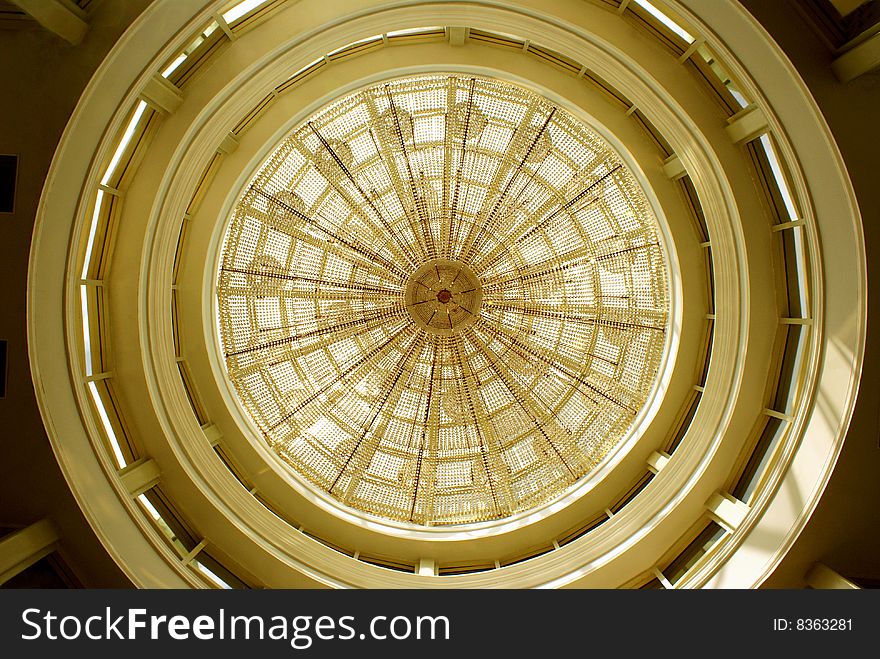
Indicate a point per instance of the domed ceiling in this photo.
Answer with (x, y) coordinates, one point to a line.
(443, 300)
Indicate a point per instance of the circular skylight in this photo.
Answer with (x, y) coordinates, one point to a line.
(443, 300)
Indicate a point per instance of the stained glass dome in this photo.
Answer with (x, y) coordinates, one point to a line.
(443, 300)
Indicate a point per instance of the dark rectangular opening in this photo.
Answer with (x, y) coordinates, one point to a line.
(389, 563)
(465, 568)
(2, 369)
(8, 174)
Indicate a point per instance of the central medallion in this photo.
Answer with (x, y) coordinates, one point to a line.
(443, 296)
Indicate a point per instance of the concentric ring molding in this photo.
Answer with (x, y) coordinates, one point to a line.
(569, 561)
(237, 153)
(627, 535)
(226, 185)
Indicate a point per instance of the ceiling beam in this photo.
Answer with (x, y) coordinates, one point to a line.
(858, 60)
(63, 18)
(21, 549)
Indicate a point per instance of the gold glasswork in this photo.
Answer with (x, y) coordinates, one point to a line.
(443, 300)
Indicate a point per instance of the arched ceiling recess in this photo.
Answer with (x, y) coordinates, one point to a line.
(269, 551)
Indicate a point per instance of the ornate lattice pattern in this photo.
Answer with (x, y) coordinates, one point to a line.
(501, 413)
